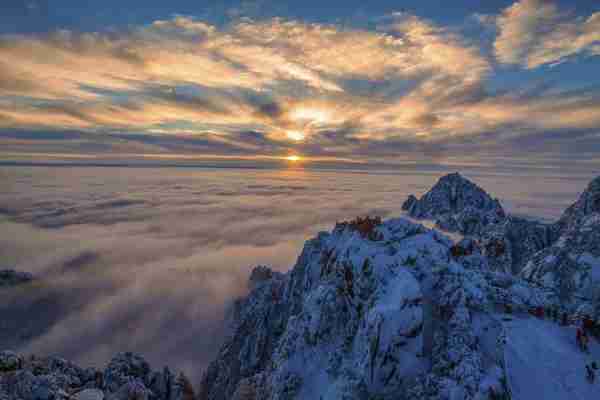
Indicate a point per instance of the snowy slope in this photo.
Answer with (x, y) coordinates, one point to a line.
(543, 361)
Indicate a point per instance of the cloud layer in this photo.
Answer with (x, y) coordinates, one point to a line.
(537, 32)
(408, 87)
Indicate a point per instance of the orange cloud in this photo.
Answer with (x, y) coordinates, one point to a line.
(268, 86)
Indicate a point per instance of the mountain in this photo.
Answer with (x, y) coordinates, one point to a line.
(457, 205)
(393, 311)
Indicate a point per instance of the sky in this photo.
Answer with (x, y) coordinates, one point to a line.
(477, 83)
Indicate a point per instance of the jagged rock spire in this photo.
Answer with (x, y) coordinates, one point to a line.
(457, 204)
(452, 193)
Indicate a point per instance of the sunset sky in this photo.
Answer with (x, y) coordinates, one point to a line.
(394, 81)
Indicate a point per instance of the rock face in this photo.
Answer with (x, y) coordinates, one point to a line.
(10, 277)
(510, 243)
(457, 205)
(386, 314)
(587, 204)
(127, 377)
(571, 265)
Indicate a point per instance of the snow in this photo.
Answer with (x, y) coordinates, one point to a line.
(543, 361)
(594, 263)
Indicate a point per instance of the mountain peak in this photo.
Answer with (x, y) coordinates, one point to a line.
(452, 198)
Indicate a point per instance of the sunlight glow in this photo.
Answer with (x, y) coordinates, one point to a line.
(313, 115)
(295, 135)
(293, 158)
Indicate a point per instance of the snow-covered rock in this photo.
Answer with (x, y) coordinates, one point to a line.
(571, 266)
(382, 314)
(127, 377)
(510, 243)
(588, 203)
(457, 205)
(89, 394)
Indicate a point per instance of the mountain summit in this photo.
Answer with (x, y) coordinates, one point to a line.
(457, 204)
(453, 193)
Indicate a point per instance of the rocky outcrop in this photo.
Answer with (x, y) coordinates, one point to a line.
(11, 277)
(127, 377)
(571, 266)
(587, 204)
(510, 244)
(457, 205)
(383, 314)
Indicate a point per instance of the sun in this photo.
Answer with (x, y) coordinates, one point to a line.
(293, 158)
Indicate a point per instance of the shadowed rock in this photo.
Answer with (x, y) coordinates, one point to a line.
(10, 277)
(127, 377)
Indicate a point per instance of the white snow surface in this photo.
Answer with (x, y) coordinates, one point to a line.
(543, 361)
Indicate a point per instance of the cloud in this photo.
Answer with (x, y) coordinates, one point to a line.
(152, 266)
(270, 87)
(532, 33)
